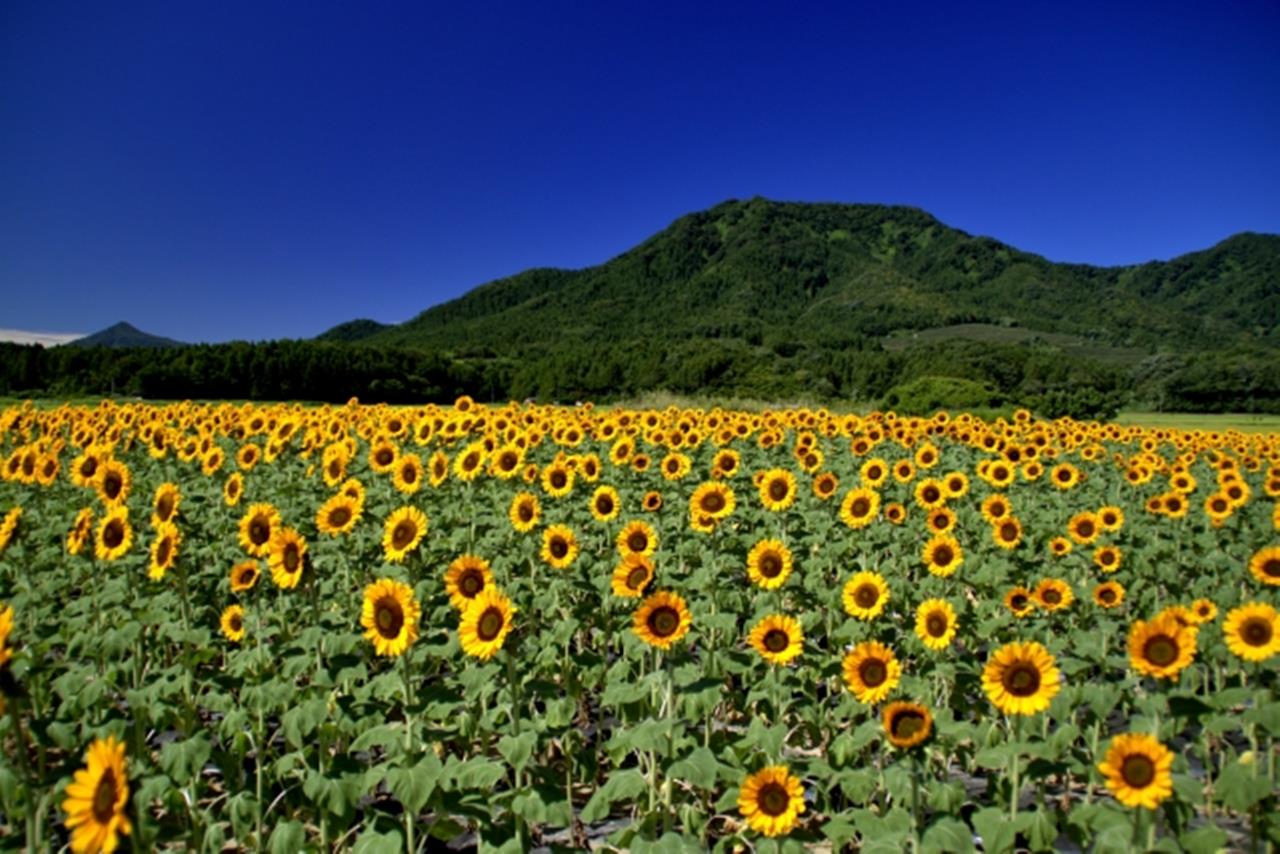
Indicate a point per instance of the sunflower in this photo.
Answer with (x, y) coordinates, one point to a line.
(115, 535)
(212, 461)
(771, 800)
(1137, 769)
(390, 616)
(769, 564)
(466, 578)
(652, 502)
(860, 507)
(895, 512)
(927, 456)
(559, 547)
(1162, 647)
(935, 623)
(114, 482)
(605, 504)
(164, 550)
(1108, 594)
(438, 467)
(557, 479)
(871, 671)
(1053, 594)
(1110, 518)
(929, 493)
(1265, 565)
(904, 471)
(825, 485)
(1204, 610)
(777, 638)
(713, 500)
(631, 576)
(1021, 678)
(382, 455)
(1007, 532)
(406, 475)
(777, 490)
(942, 556)
(96, 799)
(256, 528)
(906, 724)
(244, 576)
(956, 484)
(232, 623)
(507, 461)
(402, 532)
(80, 531)
(873, 472)
(338, 515)
(1060, 547)
(941, 520)
(1064, 476)
(164, 507)
(1084, 528)
(485, 624)
(1253, 631)
(662, 619)
(1218, 508)
(469, 463)
(232, 489)
(675, 466)
(287, 557)
(637, 538)
(248, 456)
(865, 595)
(85, 468)
(525, 511)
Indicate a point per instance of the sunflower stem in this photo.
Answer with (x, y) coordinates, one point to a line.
(1015, 787)
(20, 737)
(406, 676)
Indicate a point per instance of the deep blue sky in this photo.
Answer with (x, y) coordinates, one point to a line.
(253, 170)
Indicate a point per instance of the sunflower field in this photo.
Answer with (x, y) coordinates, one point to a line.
(288, 628)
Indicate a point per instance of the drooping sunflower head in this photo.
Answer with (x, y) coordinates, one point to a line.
(637, 538)
(871, 671)
(232, 623)
(390, 615)
(1137, 769)
(1021, 678)
(402, 532)
(942, 555)
(1265, 564)
(96, 798)
(287, 557)
(769, 564)
(244, 576)
(1054, 594)
(1108, 594)
(860, 507)
(662, 619)
(935, 623)
(466, 578)
(777, 638)
(559, 546)
(1252, 631)
(865, 595)
(771, 800)
(486, 623)
(606, 504)
(1162, 648)
(257, 526)
(906, 724)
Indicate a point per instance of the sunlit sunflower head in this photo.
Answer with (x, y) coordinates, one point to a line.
(942, 556)
(1205, 611)
(778, 638)
(1137, 769)
(256, 528)
(1060, 546)
(637, 538)
(930, 493)
(164, 506)
(232, 623)
(1007, 532)
(606, 504)
(825, 485)
(935, 623)
(871, 671)
(726, 463)
(84, 469)
(559, 546)
(244, 576)
(941, 520)
(1108, 594)
(1265, 564)
(895, 512)
(402, 532)
(1110, 518)
(1252, 631)
(390, 616)
(906, 724)
(1107, 558)
(466, 578)
(769, 564)
(338, 515)
(470, 462)
(777, 490)
(438, 468)
(406, 474)
(860, 507)
(233, 489)
(955, 484)
(287, 557)
(382, 455)
(1064, 476)
(486, 623)
(1162, 648)
(164, 550)
(1054, 594)
(97, 797)
(1021, 678)
(1084, 528)
(80, 531)
(652, 501)
(865, 595)
(675, 466)
(507, 461)
(714, 500)
(557, 479)
(114, 482)
(115, 534)
(995, 507)
(525, 512)
(212, 461)
(662, 619)
(873, 472)
(771, 801)
(631, 576)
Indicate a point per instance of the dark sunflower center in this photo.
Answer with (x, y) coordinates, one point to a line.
(1271, 568)
(1106, 558)
(773, 799)
(490, 624)
(471, 583)
(712, 502)
(770, 565)
(291, 557)
(874, 473)
(389, 617)
(163, 550)
(113, 534)
(1022, 679)
(524, 512)
(164, 508)
(1008, 532)
(860, 507)
(873, 672)
(339, 517)
(409, 474)
(997, 510)
(1138, 771)
(507, 461)
(931, 494)
(104, 797)
(1160, 650)
(778, 490)
(776, 640)
(558, 479)
(1085, 529)
(1107, 595)
(604, 505)
(111, 485)
(825, 486)
(403, 534)
(943, 555)
(866, 596)
(247, 576)
(558, 548)
(1256, 631)
(637, 578)
(1173, 505)
(1052, 596)
(384, 457)
(233, 488)
(236, 622)
(88, 467)
(663, 621)
(335, 468)
(259, 531)
(906, 724)
(936, 625)
(638, 541)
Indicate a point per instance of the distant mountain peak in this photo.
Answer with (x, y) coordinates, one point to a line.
(124, 334)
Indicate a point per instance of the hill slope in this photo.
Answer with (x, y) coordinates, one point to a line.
(124, 335)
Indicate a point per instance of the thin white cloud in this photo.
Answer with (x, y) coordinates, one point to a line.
(48, 339)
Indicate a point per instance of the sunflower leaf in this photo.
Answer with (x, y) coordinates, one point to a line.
(1204, 840)
(947, 836)
(621, 786)
(517, 749)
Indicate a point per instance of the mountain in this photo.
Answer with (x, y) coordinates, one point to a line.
(124, 335)
(782, 274)
(352, 330)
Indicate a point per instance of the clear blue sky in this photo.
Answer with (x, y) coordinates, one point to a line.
(258, 169)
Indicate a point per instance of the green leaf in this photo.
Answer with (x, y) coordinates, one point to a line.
(414, 786)
(289, 837)
(1042, 830)
(698, 768)
(1207, 839)
(477, 773)
(517, 749)
(1268, 716)
(300, 721)
(621, 786)
(839, 832)
(948, 836)
(1240, 787)
(373, 842)
(183, 760)
(325, 792)
(997, 832)
(383, 735)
